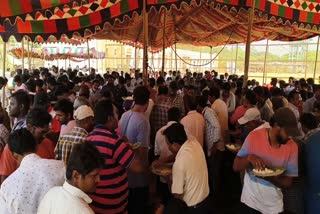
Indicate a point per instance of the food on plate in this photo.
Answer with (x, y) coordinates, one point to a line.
(163, 169)
(135, 146)
(268, 172)
(233, 147)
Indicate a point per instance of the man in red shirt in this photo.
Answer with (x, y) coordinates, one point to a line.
(111, 195)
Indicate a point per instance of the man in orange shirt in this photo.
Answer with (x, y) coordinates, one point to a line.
(38, 124)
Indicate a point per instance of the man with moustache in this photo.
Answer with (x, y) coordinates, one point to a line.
(268, 147)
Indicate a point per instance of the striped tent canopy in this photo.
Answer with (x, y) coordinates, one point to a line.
(197, 22)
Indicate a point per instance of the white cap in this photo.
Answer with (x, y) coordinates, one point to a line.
(250, 115)
(83, 112)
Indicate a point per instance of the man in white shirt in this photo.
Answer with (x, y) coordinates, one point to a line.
(194, 122)
(83, 175)
(161, 148)
(189, 172)
(228, 96)
(22, 191)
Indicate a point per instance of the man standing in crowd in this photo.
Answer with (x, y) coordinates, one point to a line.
(310, 126)
(212, 137)
(268, 148)
(162, 151)
(175, 99)
(82, 177)
(194, 122)
(249, 101)
(189, 173)
(64, 114)
(294, 99)
(84, 124)
(221, 110)
(135, 126)
(158, 116)
(23, 190)
(111, 195)
(264, 104)
(308, 104)
(38, 125)
(250, 121)
(18, 109)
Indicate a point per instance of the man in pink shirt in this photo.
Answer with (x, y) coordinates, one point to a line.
(249, 101)
(194, 122)
(267, 148)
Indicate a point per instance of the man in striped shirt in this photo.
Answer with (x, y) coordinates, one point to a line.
(111, 195)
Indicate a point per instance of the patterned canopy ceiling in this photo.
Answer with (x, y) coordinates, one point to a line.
(198, 22)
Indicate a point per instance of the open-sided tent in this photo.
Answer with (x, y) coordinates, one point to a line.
(197, 22)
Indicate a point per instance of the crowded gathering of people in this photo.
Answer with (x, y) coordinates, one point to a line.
(74, 142)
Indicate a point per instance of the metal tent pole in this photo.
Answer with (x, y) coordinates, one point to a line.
(22, 52)
(316, 61)
(88, 52)
(145, 42)
(235, 66)
(135, 57)
(248, 45)
(210, 58)
(4, 55)
(164, 42)
(265, 61)
(176, 58)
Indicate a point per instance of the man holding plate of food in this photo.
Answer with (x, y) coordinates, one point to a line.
(265, 151)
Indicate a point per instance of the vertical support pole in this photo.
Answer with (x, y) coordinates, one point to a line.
(264, 78)
(248, 45)
(88, 52)
(306, 61)
(164, 42)
(135, 57)
(28, 49)
(235, 66)
(4, 55)
(145, 42)
(316, 60)
(176, 59)
(200, 58)
(210, 58)
(22, 52)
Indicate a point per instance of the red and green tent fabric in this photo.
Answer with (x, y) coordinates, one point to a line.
(197, 22)
(13, 9)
